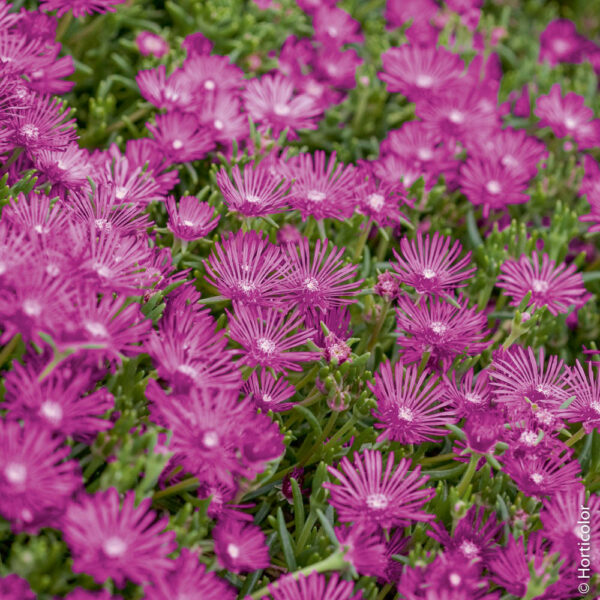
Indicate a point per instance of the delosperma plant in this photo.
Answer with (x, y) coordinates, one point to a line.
(299, 300)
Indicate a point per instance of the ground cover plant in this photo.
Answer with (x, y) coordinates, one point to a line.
(299, 300)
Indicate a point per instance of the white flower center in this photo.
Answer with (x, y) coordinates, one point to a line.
(52, 411)
(469, 549)
(438, 327)
(102, 270)
(32, 308)
(529, 438)
(114, 546)
(253, 199)
(15, 473)
(405, 414)
(425, 153)
(456, 116)
(376, 201)
(233, 550)
(281, 109)
(210, 439)
(187, 370)
(424, 81)
(96, 329)
(455, 579)
(493, 187)
(266, 346)
(103, 224)
(30, 131)
(595, 406)
(177, 144)
(188, 223)
(267, 398)
(377, 501)
(428, 273)
(61, 165)
(209, 84)
(316, 196)
(218, 124)
(570, 123)
(473, 398)
(120, 192)
(539, 286)
(537, 478)
(311, 284)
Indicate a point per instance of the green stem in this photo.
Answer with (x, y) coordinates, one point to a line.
(13, 157)
(384, 591)
(310, 227)
(191, 483)
(58, 358)
(308, 377)
(431, 460)
(575, 437)
(468, 475)
(362, 240)
(334, 562)
(328, 427)
(63, 25)
(9, 348)
(378, 326)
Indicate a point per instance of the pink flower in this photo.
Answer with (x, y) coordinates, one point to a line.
(363, 548)
(560, 42)
(192, 220)
(368, 495)
(320, 189)
(13, 587)
(467, 396)
(439, 328)
(314, 586)
(36, 482)
(255, 193)
(181, 137)
(585, 409)
(150, 43)
(173, 92)
(565, 115)
(398, 12)
(269, 392)
(319, 281)
(245, 268)
(271, 102)
(418, 72)
(380, 200)
(538, 474)
(189, 578)
(556, 287)
(240, 546)
(57, 402)
(492, 185)
(335, 67)
(412, 408)
(431, 266)
(80, 7)
(332, 24)
(590, 188)
(267, 336)
(108, 538)
(520, 380)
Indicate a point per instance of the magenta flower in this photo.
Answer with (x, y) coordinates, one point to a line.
(222, 114)
(188, 578)
(57, 402)
(318, 281)
(174, 92)
(334, 25)
(245, 268)
(151, 43)
(380, 201)
(192, 220)
(269, 392)
(270, 101)
(418, 72)
(323, 190)
(65, 168)
(473, 538)
(367, 496)
(519, 380)
(267, 336)
(538, 474)
(36, 482)
(255, 193)
(211, 74)
(181, 137)
(571, 523)
(363, 549)
(585, 409)
(312, 587)
(590, 188)
(80, 7)
(440, 329)
(565, 115)
(13, 587)
(42, 125)
(240, 546)
(431, 266)
(411, 408)
(469, 396)
(492, 185)
(110, 539)
(555, 286)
